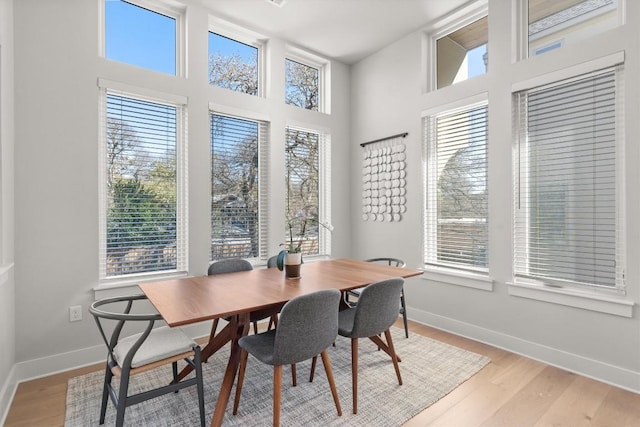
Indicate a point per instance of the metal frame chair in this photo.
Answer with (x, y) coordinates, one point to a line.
(150, 349)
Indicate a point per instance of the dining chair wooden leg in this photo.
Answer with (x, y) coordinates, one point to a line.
(277, 391)
(327, 368)
(243, 366)
(394, 356)
(354, 373)
(313, 368)
(294, 377)
(404, 314)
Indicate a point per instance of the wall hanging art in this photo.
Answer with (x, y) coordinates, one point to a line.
(384, 179)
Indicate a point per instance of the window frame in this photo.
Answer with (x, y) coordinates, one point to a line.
(324, 76)
(596, 298)
(521, 39)
(264, 148)
(460, 276)
(242, 35)
(162, 7)
(441, 29)
(182, 230)
(325, 227)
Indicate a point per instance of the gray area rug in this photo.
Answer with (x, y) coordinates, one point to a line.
(430, 370)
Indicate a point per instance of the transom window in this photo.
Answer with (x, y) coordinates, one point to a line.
(233, 65)
(553, 23)
(302, 85)
(456, 218)
(144, 35)
(462, 54)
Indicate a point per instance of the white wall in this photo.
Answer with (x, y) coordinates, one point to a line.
(7, 284)
(57, 104)
(387, 99)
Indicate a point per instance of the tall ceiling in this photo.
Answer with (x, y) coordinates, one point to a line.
(345, 30)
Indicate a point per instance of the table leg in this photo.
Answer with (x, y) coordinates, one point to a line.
(219, 340)
(240, 327)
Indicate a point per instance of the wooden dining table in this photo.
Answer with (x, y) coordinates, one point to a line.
(234, 296)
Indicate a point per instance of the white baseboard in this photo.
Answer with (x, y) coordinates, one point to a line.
(594, 369)
(7, 392)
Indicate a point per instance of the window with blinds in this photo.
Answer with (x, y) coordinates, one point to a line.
(567, 210)
(238, 203)
(143, 228)
(456, 217)
(307, 180)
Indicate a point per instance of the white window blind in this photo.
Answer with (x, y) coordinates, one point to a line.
(308, 191)
(568, 223)
(456, 217)
(239, 155)
(142, 191)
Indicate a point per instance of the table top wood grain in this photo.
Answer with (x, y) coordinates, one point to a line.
(194, 299)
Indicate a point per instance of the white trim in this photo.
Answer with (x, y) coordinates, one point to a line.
(617, 306)
(150, 94)
(569, 72)
(240, 113)
(465, 103)
(457, 277)
(7, 393)
(588, 367)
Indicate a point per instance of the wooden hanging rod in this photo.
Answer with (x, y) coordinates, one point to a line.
(400, 135)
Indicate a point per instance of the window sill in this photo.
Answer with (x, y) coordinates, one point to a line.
(459, 278)
(129, 286)
(618, 306)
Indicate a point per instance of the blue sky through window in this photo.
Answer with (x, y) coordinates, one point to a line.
(140, 37)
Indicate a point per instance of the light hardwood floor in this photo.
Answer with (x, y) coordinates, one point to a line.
(511, 391)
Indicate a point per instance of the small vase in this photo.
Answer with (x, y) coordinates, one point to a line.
(292, 262)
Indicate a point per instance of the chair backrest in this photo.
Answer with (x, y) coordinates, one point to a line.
(272, 262)
(377, 307)
(101, 314)
(229, 265)
(308, 324)
(396, 262)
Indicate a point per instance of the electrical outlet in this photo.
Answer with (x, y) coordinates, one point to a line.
(75, 313)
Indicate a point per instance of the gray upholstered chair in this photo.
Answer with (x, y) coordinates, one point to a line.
(308, 326)
(150, 349)
(233, 265)
(376, 311)
(403, 306)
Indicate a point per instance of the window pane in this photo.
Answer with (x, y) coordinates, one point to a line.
(141, 186)
(457, 225)
(140, 37)
(462, 54)
(301, 83)
(303, 200)
(233, 65)
(553, 23)
(566, 206)
(234, 188)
